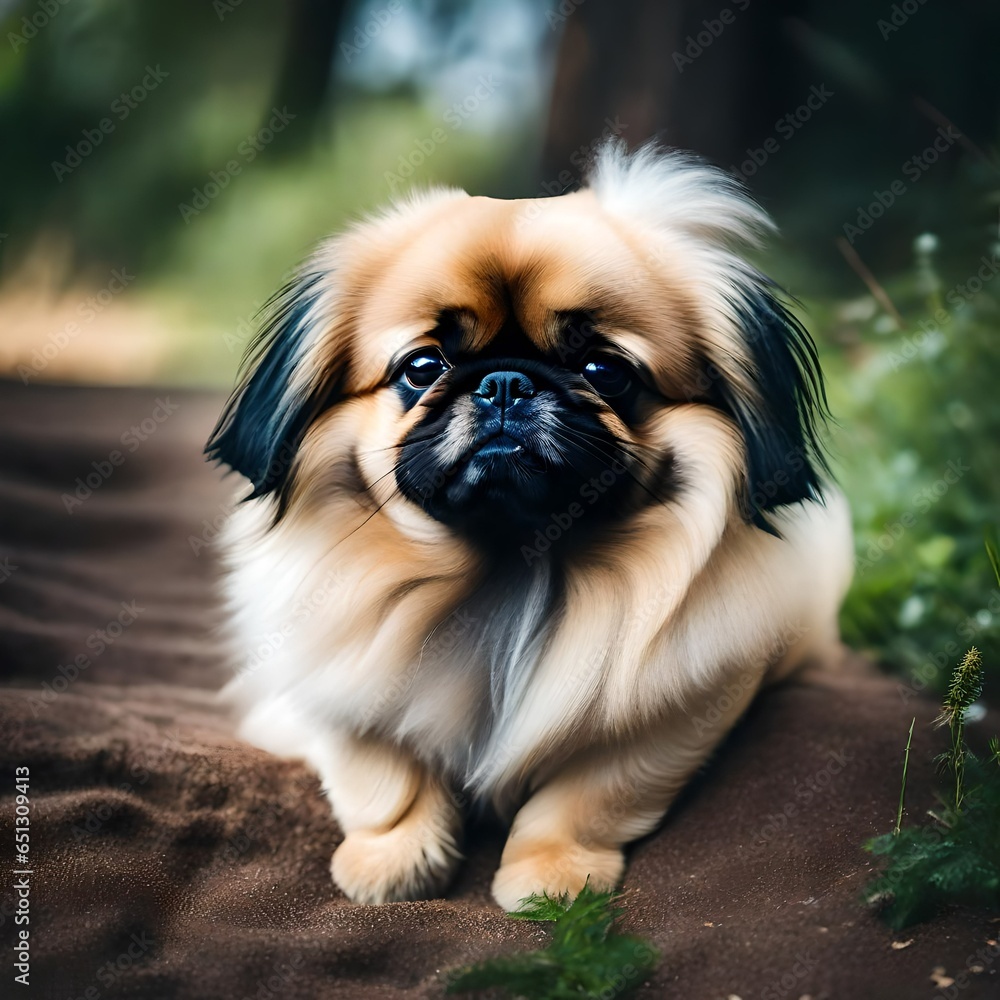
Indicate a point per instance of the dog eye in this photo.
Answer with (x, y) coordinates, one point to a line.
(424, 367)
(608, 376)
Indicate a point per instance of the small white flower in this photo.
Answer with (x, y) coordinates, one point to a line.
(925, 243)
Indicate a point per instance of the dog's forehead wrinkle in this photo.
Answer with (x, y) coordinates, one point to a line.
(596, 319)
(509, 340)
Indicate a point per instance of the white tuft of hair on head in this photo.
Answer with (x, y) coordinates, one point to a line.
(670, 190)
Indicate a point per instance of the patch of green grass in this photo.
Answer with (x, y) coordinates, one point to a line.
(586, 956)
(956, 858)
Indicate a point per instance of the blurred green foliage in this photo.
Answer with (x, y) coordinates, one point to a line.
(917, 450)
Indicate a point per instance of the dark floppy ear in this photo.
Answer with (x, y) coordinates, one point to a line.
(781, 409)
(278, 395)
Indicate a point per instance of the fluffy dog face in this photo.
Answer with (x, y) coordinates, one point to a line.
(472, 367)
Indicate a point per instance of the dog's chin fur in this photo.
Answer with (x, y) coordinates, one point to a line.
(577, 660)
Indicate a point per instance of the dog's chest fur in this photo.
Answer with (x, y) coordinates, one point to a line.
(476, 665)
(348, 650)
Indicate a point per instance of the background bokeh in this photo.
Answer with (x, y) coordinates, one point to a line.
(164, 165)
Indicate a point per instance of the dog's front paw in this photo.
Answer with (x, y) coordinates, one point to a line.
(556, 869)
(408, 861)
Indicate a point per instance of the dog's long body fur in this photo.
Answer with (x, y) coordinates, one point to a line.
(578, 672)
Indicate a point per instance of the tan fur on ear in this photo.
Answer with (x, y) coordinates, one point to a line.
(364, 629)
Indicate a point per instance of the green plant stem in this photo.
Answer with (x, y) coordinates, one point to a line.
(902, 787)
(994, 557)
(958, 756)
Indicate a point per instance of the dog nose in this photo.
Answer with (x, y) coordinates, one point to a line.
(505, 389)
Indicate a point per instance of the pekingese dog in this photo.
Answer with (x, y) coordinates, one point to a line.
(538, 505)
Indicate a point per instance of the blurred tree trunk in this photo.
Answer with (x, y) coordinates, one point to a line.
(644, 66)
(305, 80)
